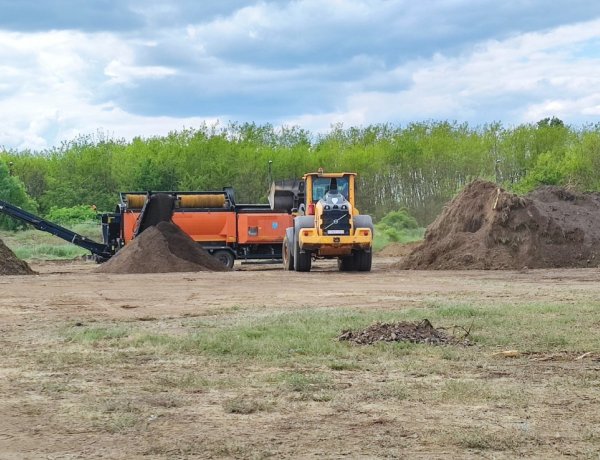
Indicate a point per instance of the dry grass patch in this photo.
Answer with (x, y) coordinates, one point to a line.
(284, 372)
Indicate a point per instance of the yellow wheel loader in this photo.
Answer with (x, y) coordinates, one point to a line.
(326, 222)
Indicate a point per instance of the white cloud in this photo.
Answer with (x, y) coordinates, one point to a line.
(297, 26)
(126, 73)
(314, 63)
(537, 72)
(49, 85)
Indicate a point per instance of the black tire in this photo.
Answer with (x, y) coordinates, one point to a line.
(364, 221)
(287, 255)
(225, 257)
(302, 260)
(346, 264)
(363, 260)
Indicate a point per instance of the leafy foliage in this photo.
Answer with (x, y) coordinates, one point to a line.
(417, 167)
(13, 191)
(397, 227)
(399, 220)
(75, 214)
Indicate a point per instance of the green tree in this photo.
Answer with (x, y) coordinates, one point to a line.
(13, 191)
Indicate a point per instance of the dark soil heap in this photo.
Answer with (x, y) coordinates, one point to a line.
(11, 264)
(164, 248)
(422, 332)
(485, 227)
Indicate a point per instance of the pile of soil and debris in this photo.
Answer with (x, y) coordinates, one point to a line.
(163, 248)
(403, 331)
(11, 264)
(485, 227)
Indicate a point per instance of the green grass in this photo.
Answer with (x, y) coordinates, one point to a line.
(498, 440)
(95, 334)
(309, 336)
(49, 252)
(34, 244)
(382, 239)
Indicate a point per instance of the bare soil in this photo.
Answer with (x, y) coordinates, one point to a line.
(398, 249)
(11, 264)
(163, 248)
(59, 399)
(485, 227)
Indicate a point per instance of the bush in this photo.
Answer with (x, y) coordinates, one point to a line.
(73, 215)
(13, 191)
(399, 220)
(397, 227)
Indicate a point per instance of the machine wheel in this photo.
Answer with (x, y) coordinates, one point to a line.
(286, 253)
(302, 260)
(363, 260)
(363, 221)
(225, 257)
(346, 264)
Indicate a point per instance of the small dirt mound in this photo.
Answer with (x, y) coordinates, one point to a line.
(164, 248)
(485, 227)
(11, 264)
(421, 332)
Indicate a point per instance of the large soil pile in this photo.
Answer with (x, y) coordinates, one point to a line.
(485, 227)
(164, 248)
(11, 264)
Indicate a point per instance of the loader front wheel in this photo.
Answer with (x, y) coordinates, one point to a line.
(286, 253)
(302, 260)
(363, 260)
(346, 264)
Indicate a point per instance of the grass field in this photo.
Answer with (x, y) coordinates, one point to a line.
(32, 244)
(266, 382)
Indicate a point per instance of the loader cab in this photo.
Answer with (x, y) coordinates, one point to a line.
(319, 183)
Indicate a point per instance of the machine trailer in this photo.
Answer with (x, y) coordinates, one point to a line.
(226, 229)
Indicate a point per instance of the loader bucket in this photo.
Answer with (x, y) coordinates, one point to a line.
(286, 195)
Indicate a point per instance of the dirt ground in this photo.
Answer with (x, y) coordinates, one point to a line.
(49, 393)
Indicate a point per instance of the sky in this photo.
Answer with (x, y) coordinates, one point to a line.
(127, 68)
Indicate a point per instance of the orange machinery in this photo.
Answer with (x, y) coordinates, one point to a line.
(224, 228)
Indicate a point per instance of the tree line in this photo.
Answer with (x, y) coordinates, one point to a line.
(419, 166)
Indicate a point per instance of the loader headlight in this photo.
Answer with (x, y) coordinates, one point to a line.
(327, 207)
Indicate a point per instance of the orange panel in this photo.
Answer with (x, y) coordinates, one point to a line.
(129, 220)
(263, 227)
(207, 226)
(201, 226)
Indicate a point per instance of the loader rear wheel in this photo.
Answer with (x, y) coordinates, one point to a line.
(302, 260)
(363, 260)
(288, 257)
(225, 257)
(346, 264)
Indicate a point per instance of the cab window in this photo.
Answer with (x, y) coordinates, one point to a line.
(321, 186)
